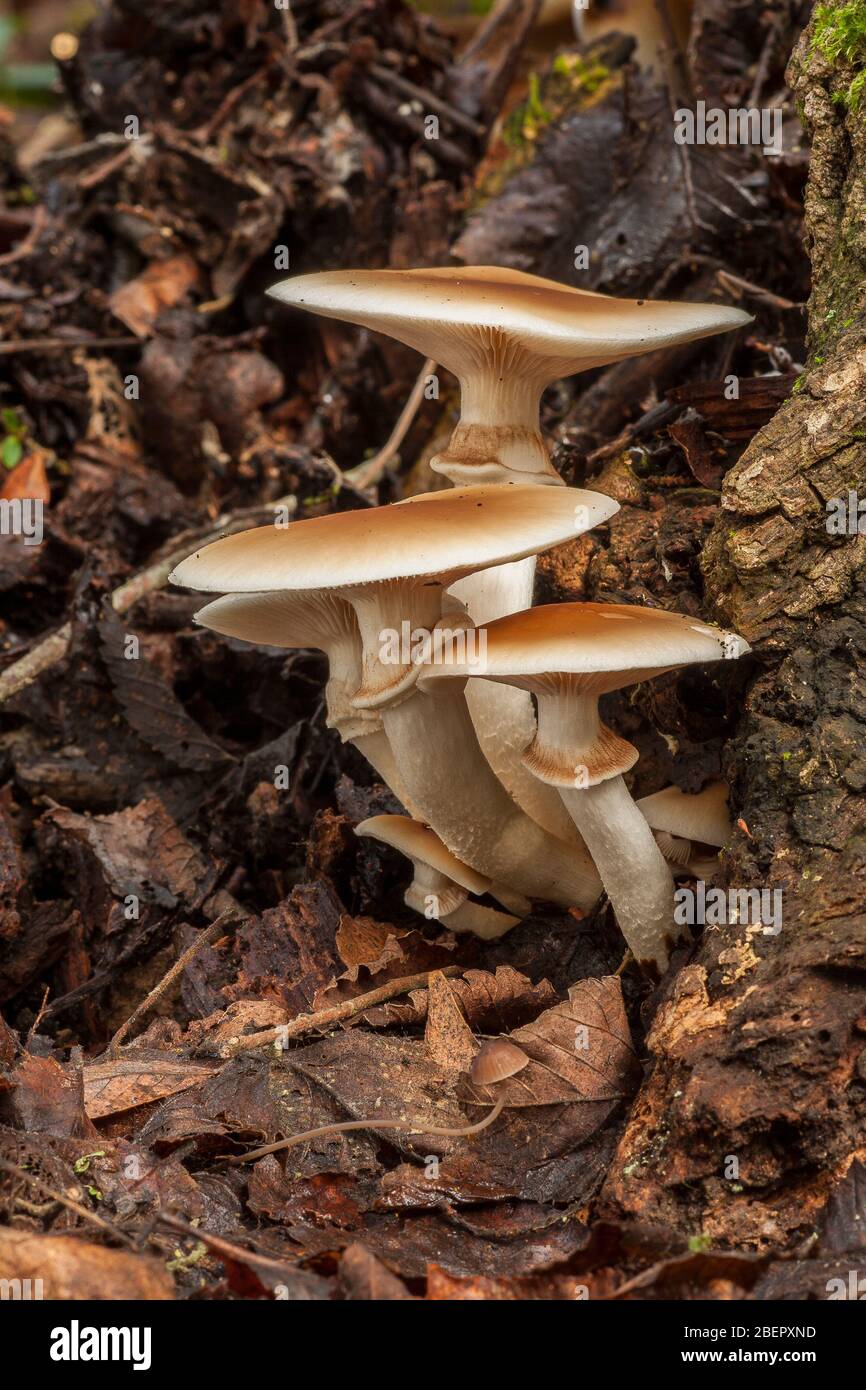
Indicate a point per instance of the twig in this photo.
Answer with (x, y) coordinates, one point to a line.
(778, 301)
(63, 344)
(27, 242)
(54, 647)
(433, 103)
(14, 1171)
(338, 1013)
(370, 472)
(204, 938)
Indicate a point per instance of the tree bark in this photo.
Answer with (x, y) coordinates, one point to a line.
(756, 1098)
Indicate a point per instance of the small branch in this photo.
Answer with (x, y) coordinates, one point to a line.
(350, 1008)
(433, 103)
(20, 345)
(204, 938)
(371, 471)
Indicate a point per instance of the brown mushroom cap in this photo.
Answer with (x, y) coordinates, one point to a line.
(605, 645)
(437, 534)
(496, 1060)
(452, 313)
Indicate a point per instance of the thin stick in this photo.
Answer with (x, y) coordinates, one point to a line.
(338, 1013)
(14, 1171)
(370, 472)
(434, 103)
(204, 938)
(63, 344)
(55, 646)
(346, 1125)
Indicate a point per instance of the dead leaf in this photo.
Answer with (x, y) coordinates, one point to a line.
(160, 286)
(363, 1276)
(124, 1084)
(361, 940)
(579, 1050)
(447, 1034)
(29, 479)
(69, 1268)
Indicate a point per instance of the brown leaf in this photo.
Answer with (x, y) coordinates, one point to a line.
(69, 1268)
(29, 479)
(447, 1034)
(578, 1050)
(363, 1276)
(49, 1098)
(151, 706)
(124, 1084)
(139, 850)
(361, 940)
(160, 285)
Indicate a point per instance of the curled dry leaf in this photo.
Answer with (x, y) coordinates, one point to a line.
(29, 479)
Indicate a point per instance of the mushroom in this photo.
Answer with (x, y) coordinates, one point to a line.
(326, 622)
(496, 1060)
(568, 655)
(441, 885)
(506, 335)
(392, 564)
(689, 827)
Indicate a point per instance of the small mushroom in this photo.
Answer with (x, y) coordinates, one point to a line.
(689, 827)
(496, 1060)
(392, 564)
(568, 655)
(441, 885)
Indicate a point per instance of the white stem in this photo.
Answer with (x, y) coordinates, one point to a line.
(479, 921)
(456, 792)
(632, 867)
(497, 439)
(504, 716)
(374, 746)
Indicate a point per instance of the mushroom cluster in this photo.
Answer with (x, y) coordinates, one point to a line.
(423, 608)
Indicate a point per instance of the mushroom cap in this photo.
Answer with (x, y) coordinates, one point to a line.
(496, 1060)
(419, 843)
(450, 312)
(701, 816)
(436, 534)
(282, 619)
(609, 644)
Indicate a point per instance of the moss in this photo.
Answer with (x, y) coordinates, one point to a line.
(840, 32)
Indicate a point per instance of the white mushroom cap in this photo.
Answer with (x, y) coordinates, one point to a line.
(460, 314)
(422, 845)
(701, 816)
(281, 619)
(302, 619)
(607, 645)
(441, 535)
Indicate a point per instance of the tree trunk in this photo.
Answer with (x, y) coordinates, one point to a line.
(756, 1097)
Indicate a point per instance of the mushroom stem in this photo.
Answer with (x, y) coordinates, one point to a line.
(632, 867)
(455, 790)
(503, 716)
(344, 1126)
(497, 439)
(481, 921)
